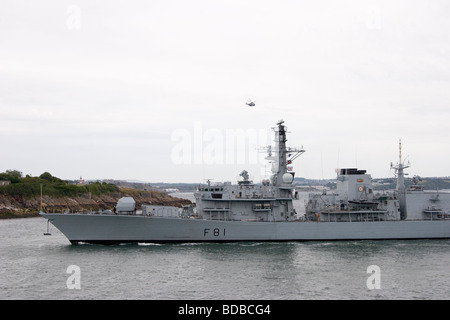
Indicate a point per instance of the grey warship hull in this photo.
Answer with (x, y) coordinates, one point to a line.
(113, 229)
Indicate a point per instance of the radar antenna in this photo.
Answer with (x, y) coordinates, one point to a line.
(244, 174)
(401, 164)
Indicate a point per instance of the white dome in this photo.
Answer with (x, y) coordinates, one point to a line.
(288, 178)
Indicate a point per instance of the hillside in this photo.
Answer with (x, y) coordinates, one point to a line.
(21, 196)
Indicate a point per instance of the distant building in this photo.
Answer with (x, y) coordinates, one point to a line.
(4, 182)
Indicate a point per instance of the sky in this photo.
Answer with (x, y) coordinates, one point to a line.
(156, 91)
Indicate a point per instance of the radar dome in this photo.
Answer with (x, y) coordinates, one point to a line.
(288, 178)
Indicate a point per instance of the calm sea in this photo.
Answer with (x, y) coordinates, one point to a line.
(35, 266)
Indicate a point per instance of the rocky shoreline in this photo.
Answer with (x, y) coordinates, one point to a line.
(20, 207)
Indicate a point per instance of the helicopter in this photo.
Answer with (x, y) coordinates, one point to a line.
(250, 103)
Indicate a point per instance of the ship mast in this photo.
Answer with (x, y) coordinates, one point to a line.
(401, 189)
(280, 163)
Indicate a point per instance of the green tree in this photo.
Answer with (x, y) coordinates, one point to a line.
(11, 175)
(46, 176)
(14, 173)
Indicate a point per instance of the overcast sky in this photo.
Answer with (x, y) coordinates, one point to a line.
(156, 90)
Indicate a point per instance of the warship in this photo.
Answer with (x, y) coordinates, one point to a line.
(248, 211)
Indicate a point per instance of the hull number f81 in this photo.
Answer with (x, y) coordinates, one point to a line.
(216, 232)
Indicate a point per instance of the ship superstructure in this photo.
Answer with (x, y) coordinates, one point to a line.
(270, 200)
(415, 202)
(353, 200)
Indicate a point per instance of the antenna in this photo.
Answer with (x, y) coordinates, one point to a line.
(398, 168)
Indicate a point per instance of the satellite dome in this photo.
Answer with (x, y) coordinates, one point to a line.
(288, 178)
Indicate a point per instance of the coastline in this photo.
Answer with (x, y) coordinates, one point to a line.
(12, 207)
